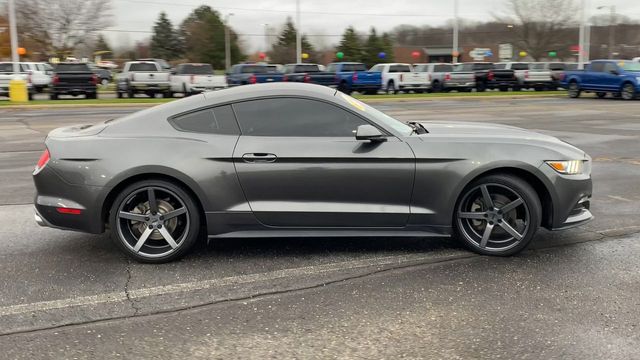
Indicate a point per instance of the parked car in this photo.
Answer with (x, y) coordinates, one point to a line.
(145, 77)
(6, 74)
(40, 75)
(308, 73)
(244, 74)
(488, 77)
(528, 77)
(556, 69)
(618, 77)
(443, 78)
(219, 164)
(104, 75)
(194, 78)
(353, 76)
(73, 78)
(162, 62)
(396, 77)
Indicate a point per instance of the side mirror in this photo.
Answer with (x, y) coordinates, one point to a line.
(614, 72)
(370, 133)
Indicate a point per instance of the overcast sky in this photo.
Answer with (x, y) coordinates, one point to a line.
(323, 21)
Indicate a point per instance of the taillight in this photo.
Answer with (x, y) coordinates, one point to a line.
(355, 76)
(253, 79)
(561, 76)
(490, 75)
(307, 78)
(285, 78)
(55, 80)
(42, 162)
(401, 77)
(447, 76)
(526, 74)
(94, 79)
(193, 79)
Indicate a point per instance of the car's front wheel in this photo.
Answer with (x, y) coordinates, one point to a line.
(574, 90)
(628, 91)
(497, 215)
(154, 221)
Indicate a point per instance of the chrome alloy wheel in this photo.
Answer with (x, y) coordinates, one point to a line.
(493, 217)
(153, 222)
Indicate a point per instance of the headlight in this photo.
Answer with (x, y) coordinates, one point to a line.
(568, 167)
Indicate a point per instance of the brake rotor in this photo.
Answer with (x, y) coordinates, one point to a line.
(164, 207)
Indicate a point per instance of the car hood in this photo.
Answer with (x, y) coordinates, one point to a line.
(498, 133)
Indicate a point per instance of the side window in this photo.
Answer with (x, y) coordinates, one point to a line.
(500, 66)
(597, 67)
(610, 66)
(219, 120)
(331, 68)
(295, 117)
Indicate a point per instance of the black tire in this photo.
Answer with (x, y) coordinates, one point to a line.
(628, 91)
(573, 90)
(92, 95)
(53, 96)
(391, 87)
(39, 89)
(601, 95)
(481, 86)
(119, 95)
(130, 92)
(523, 218)
(539, 88)
(371, 92)
(503, 88)
(170, 197)
(30, 96)
(436, 86)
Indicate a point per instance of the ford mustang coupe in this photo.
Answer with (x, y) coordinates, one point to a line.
(293, 159)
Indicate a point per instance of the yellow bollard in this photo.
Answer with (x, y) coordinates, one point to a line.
(18, 90)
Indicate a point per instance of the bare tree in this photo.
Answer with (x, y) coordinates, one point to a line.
(59, 27)
(539, 25)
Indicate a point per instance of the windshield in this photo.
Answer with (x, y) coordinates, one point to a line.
(629, 65)
(378, 115)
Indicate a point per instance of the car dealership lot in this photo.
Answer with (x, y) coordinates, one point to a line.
(572, 295)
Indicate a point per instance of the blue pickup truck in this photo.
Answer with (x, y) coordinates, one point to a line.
(243, 74)
(351, 76)
(618, 77)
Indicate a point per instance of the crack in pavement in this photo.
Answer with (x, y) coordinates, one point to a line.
(127, 293)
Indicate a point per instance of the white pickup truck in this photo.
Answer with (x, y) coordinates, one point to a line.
(401, 77)
(144, 77)
(194, 78)
(529, 77)
(6, 74)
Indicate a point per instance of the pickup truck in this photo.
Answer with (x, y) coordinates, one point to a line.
(73, 78)
(556, 69)
(401, 77)
(145, 77)
(618, 77)
(194, 78)
(443, 78)
(308, 73)
(244, 74)
(488, 77)
(6, 74)
(353, 76)
(528, 77)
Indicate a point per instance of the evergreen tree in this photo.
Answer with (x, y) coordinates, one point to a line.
(164, 41)
(372, 47)
(351, 46)
(102, 45)
(387, 47)
(284, 51)
(202, 34)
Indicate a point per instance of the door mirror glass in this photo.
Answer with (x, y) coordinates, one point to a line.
(614, 72)
(370, 133)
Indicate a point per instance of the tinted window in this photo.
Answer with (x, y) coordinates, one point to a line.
(403, 68)
(219, 120)
(421, 68)
(442, 68)
(72, 67)
(557, 66)
(599, 67)
(254, 69)
(539, 66)
(608, 67)
(520, 66)
(295, 117)
(483, 66)
(143, 67)
(353, 67)
(6, 67)
(196, 69)
(307, 68)
(501, 66)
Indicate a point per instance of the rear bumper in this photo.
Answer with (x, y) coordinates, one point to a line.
(426, 86)
(143, 87)
(457, 85)
(74, 89)
(501, 83)
(366, 87)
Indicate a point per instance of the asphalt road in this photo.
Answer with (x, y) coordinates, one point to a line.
(573, 295)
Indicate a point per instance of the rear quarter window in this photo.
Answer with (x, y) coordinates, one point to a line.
(218, 120)
(143, 67)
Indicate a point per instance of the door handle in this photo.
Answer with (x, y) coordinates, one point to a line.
(259, 157)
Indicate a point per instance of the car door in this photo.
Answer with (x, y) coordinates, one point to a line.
(299, 164)
(592, 78)
(611, 79)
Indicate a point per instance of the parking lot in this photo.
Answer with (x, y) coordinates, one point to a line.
(572, 295)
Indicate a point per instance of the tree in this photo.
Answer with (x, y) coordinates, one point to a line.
(202, 36)
(284, 51)
(387, 47)
(164, 41)
(539, 24)
(102, 45)
(351, 46)
(376, 45)
(59, 28)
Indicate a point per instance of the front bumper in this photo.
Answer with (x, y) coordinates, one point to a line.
(571, 199)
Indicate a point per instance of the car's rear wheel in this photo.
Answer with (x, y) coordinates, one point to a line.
(497, 215)
(574, 90)
(154, 221)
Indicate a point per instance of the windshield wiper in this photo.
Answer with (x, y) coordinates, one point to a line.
(417, 127)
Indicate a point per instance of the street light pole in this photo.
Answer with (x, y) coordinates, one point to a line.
(298, 34)
(227, 43)
(15, 58)
(455, 32)
(612, 29)
(581, 36)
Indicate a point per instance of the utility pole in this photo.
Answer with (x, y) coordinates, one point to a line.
(455, 51)
(581, 36)
(15, 58)
(298, 34)
(227, 43)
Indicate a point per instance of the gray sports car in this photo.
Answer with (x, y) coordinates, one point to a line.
(293, 159)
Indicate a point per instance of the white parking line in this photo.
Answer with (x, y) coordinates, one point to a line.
(232, 280)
